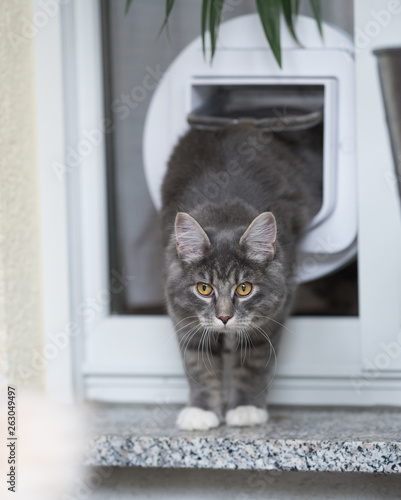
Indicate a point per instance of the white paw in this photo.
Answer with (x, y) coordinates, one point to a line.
(193, 418)
(243, 416)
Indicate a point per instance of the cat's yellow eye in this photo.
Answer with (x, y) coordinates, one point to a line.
(244, 289)
(204, 288)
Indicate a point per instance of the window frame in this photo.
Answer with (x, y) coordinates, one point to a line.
(75, 255)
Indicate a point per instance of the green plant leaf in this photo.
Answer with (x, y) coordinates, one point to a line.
(289, 16)
(216, 7)
(316, 6)
(296, 6)
(205, 7)
(127, 6)
(269, 12)
(169, 8)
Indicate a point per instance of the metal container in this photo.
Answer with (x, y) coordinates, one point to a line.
(389, 64)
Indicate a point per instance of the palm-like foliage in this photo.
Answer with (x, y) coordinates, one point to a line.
(269, 12)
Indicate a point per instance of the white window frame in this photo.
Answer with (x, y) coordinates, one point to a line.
(113, 358)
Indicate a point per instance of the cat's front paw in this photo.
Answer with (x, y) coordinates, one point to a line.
(196, 419)
(244, 416)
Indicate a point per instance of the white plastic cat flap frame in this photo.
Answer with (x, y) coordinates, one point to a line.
(195, 97)
(244, 61)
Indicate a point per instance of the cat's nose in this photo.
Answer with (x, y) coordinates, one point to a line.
(224, 319)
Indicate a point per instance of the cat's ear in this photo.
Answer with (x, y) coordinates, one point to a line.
(192, 241)
(259, 240)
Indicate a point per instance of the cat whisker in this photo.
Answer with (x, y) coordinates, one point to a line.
(191, 325)
(238, 336)
(275, 357)
(245, 346)
(275, 321)
(207, 344)
(266, 335)
(244, 341)
(201, 345)
(184, 337)
(250, 339)
(184, 354)
(188, 335)
(188, 317)
(272, 350)
(174, 331)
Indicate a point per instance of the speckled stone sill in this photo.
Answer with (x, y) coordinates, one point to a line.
(301, 439)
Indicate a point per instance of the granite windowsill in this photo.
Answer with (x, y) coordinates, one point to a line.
(302, 439)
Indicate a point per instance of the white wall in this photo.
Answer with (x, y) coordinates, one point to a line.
(21, 336)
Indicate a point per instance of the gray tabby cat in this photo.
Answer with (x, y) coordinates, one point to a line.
(236, 204)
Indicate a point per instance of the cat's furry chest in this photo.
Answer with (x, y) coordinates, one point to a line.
(230, 342)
